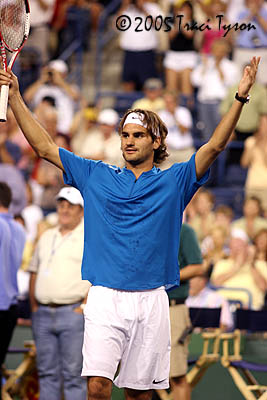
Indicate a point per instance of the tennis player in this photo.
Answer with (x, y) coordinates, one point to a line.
(132, 217)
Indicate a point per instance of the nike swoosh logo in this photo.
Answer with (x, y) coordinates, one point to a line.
(156, 382)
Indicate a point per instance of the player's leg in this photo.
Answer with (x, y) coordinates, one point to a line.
(132, 394)
(104, 340)
(99, 388)
(180, 388)
(145, 362)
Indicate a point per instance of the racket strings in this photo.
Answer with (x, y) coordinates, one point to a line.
(12, 22)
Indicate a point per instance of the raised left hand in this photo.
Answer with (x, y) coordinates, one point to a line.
(249, 77)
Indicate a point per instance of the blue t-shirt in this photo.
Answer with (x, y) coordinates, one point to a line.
(252, 38)
(132, 227)
(12, 240)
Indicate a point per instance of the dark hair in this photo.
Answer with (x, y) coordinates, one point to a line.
(5, 195)
(19, 218)
(50, 100)
(154, 124)
(188, 4)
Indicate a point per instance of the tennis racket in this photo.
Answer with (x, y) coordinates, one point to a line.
(14, 31)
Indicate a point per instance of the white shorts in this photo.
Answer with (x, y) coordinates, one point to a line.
(180, 60)
(129, 330)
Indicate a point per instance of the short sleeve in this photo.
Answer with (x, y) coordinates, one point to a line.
(188, 184)
(34, 263)
(77, 169)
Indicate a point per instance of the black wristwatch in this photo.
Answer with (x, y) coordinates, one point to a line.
(243, 100)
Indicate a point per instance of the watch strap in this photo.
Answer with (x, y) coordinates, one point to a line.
(243, 100)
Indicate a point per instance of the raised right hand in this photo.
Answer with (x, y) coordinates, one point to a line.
(10, 79)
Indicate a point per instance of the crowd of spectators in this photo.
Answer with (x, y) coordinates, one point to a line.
(197, 87)
(191, 89)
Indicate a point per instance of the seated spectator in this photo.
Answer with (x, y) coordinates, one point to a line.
(201, 295)
(241, 271)
(179, 123)
(152, 100)
(214, 247)
(249, 121)
(251, 222)
(217, 243)
(181, 58)
(139, 47)
(83, 123)
(204, 219)
(213, 76)
(224, 217)
(103, 143)
(252, 42)
(254, 158)
(53, 83)
(260, 245)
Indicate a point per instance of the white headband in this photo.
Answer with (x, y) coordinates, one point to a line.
(138, 119)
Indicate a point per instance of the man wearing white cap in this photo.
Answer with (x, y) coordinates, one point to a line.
(57, 294)
(103, 142)
(52, 82)
(133, 217)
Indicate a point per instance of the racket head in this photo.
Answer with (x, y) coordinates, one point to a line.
(14, 23)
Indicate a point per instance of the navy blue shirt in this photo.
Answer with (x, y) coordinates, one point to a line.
(132, 226)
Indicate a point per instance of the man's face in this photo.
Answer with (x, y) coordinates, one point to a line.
(153, 94)
(137, 144)
(69, 215)
(237, 247)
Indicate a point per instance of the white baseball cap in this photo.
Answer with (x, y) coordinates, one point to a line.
(108, 116)
(59, 65)
(71, 194)
(238, 233)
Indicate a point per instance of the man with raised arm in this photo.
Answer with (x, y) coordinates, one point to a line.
(132, 217)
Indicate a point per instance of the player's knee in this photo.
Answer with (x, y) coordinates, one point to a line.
(179, 380)
(132, 394)
(99, 388)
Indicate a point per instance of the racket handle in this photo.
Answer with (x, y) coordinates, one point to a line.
(3, 102)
